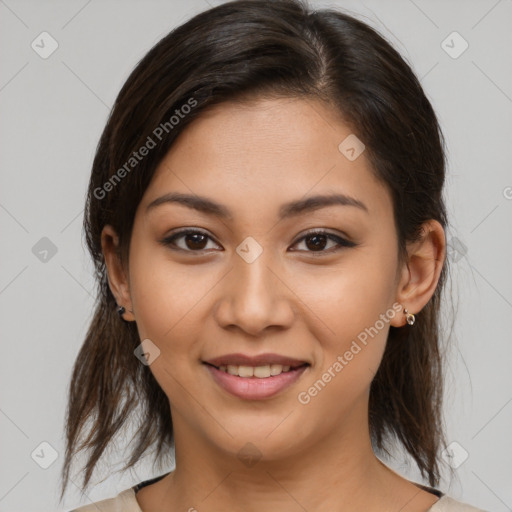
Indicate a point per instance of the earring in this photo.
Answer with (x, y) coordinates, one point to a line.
(121, 311)
(409, 317)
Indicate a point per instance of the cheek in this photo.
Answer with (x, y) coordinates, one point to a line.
(349, 298)
(166, 302)
(171, 305)
(353, 309)
(163, 294)
(347, 361)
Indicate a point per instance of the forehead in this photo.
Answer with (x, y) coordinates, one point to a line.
(265, 152)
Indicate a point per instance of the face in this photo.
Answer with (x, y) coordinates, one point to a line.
(257, 276)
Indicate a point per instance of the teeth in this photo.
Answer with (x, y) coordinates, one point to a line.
(245, 371)
(232, 370)
(261, 372)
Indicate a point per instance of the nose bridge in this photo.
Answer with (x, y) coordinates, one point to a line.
(254, 297)
(256, 277)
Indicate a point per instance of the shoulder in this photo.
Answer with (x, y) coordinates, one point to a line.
(124, 502)
(447, 504)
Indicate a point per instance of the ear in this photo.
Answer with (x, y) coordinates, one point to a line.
(420, 273)
(117, 279)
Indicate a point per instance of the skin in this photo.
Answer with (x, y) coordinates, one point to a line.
(193, 306)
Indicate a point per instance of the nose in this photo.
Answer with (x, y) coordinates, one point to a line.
(255, 297)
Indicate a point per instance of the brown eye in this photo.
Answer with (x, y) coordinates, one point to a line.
(190, 240)
(317, 241)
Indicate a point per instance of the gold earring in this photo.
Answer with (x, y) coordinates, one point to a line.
(409, 317)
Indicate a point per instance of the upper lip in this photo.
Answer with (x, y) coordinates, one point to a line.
(259, 360)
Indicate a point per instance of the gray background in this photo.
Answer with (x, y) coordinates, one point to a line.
(53, 112)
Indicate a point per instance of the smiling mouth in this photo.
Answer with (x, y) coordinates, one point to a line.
(257, 372)
(260, 382)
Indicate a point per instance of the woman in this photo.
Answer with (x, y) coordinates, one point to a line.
(266, 218)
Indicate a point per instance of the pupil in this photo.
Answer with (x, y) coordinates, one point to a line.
(197, 241)
(319, 244)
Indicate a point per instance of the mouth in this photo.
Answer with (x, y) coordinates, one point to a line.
(255, 378)
(258, 372)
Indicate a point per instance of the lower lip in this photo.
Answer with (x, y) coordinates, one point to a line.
(254, 388)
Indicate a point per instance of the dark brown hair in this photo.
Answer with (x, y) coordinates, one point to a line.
(256, 49)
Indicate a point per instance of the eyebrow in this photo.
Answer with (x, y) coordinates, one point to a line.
(291, 209)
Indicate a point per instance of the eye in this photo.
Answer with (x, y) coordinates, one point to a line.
(316, 241)
(193, 240)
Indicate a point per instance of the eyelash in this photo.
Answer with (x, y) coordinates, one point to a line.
(342, 242)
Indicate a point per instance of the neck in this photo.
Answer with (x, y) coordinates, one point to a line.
(340, 472)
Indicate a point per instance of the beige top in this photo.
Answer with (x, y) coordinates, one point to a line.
(126, 502)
